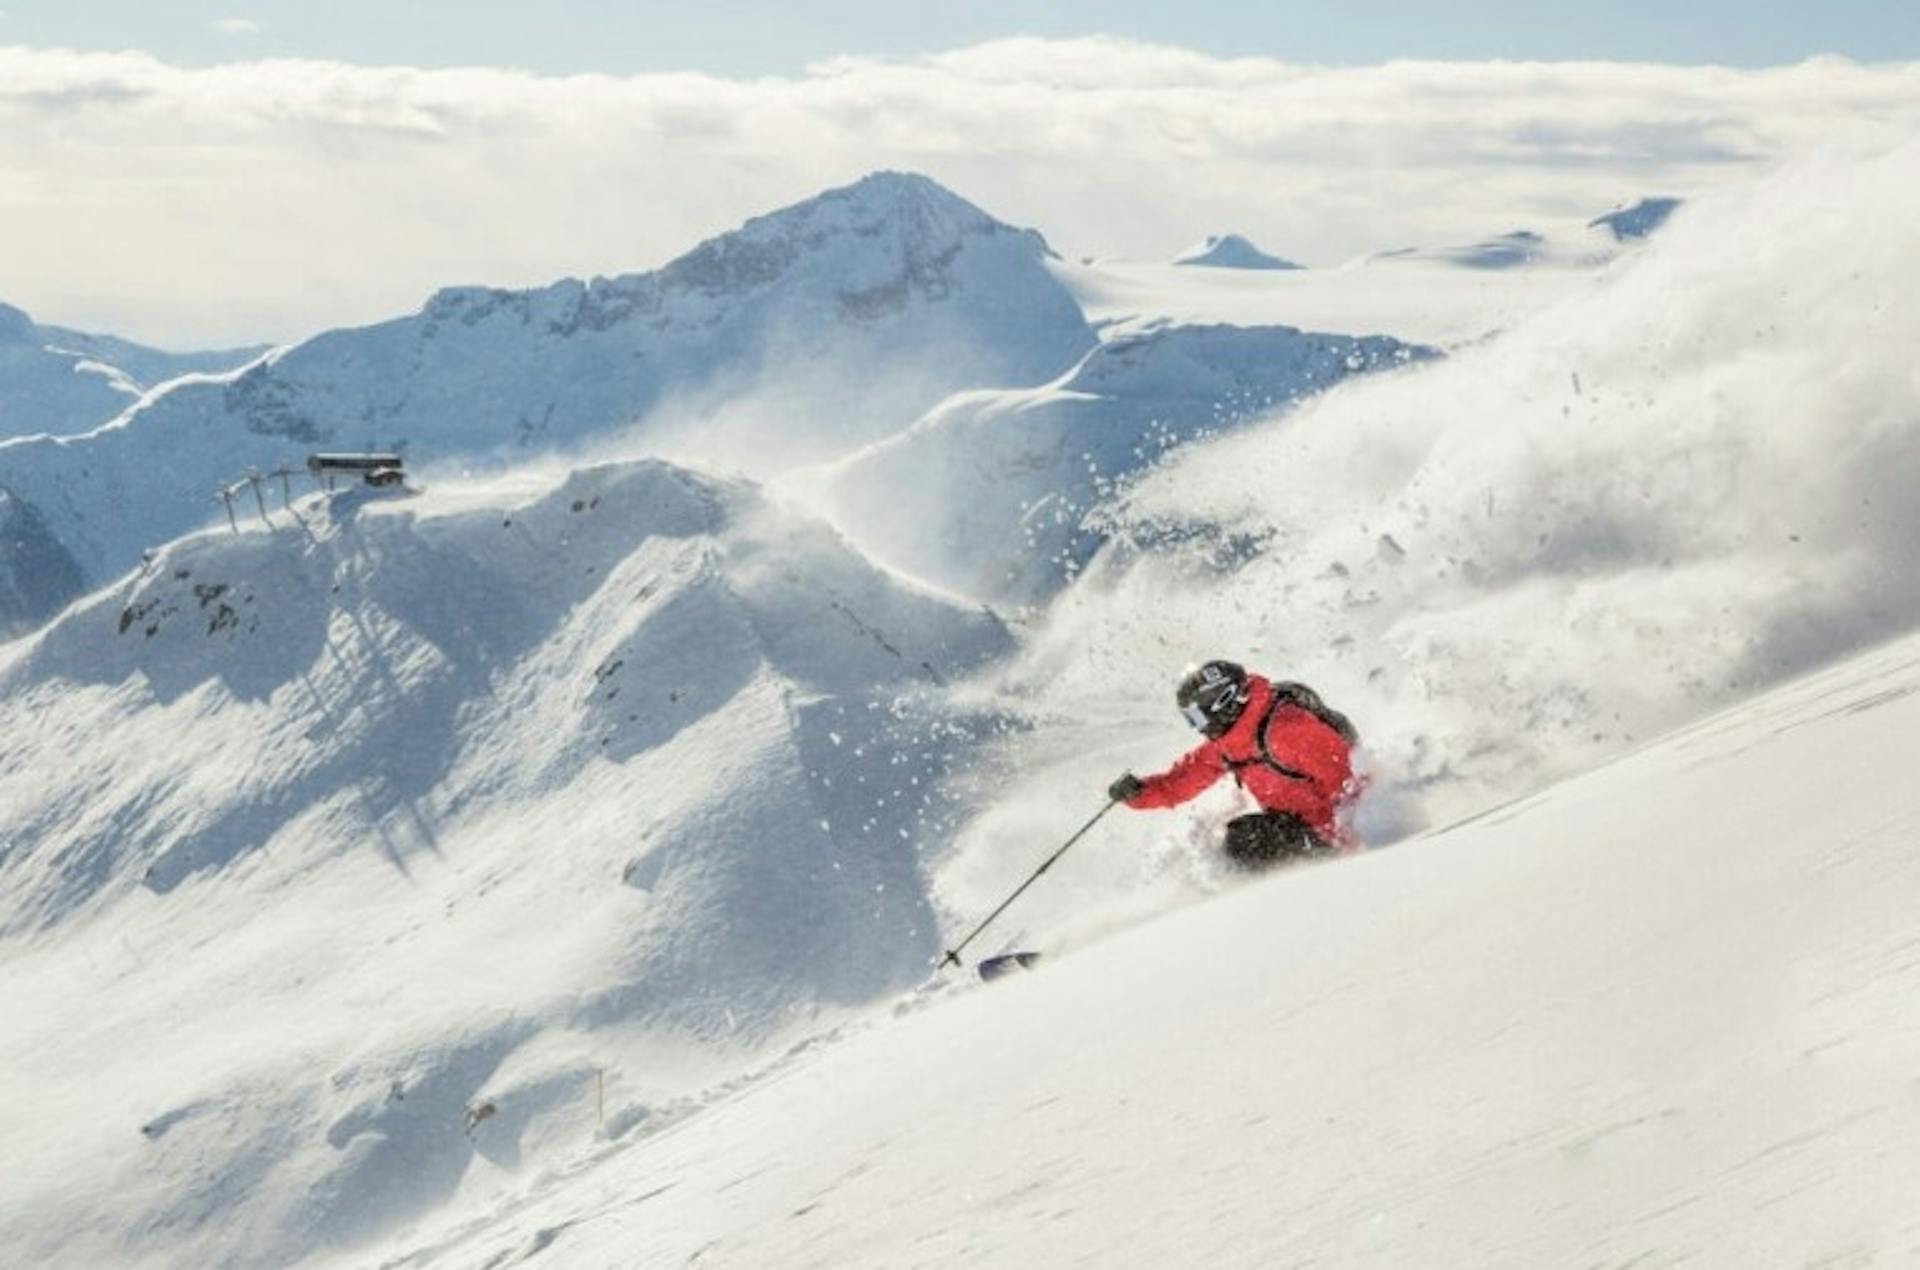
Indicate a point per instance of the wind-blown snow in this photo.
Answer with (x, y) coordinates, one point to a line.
(1001, 482)
(1659, 496)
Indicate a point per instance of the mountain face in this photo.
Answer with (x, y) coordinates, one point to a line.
(802, 335)
(58, 381)
(37, 575)
(1230, 251)
(644, 596)
(1001, 482)
(510, 790)
(45, 390)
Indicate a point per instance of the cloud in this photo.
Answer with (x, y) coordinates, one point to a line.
(235, 26)
(271, 198)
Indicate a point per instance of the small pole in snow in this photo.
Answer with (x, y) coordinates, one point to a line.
(226, 496)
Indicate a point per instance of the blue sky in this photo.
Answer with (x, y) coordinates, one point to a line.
(754, 37)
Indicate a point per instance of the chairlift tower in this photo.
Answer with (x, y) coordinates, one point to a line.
(254, 479)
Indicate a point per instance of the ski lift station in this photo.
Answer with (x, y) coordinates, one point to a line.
(374, 469)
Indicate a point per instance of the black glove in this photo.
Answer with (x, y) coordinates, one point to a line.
(1126, 789)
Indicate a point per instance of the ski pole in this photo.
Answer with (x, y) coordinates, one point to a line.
(953, 954)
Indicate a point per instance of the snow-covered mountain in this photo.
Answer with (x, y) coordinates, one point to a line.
(1445, 297)
(1660, 1013)
(1230, 251)
(1578, 247)
(1002, 481)
(58, 381)
(533, 871)
(61, 381)
(417, 809)
(802, 335)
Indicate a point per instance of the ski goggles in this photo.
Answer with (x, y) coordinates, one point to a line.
(1194, 714)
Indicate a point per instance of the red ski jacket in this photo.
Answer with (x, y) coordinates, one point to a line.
(1309, 775)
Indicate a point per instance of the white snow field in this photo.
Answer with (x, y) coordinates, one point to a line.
(1661, 1015)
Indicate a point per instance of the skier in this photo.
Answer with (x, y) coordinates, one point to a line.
(1283, 745)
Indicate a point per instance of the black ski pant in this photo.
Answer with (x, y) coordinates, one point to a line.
(1270, 838)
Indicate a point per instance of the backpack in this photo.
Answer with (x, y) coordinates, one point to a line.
(1294, 694)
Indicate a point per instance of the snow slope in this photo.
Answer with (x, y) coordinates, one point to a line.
(1002, 481)
(61, 381)
(507, 802)
(1660, 1015)
(805, 333)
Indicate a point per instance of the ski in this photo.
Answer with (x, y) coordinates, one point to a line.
(1006, 963)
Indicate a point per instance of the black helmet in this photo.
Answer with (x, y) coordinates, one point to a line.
(1212, 695)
